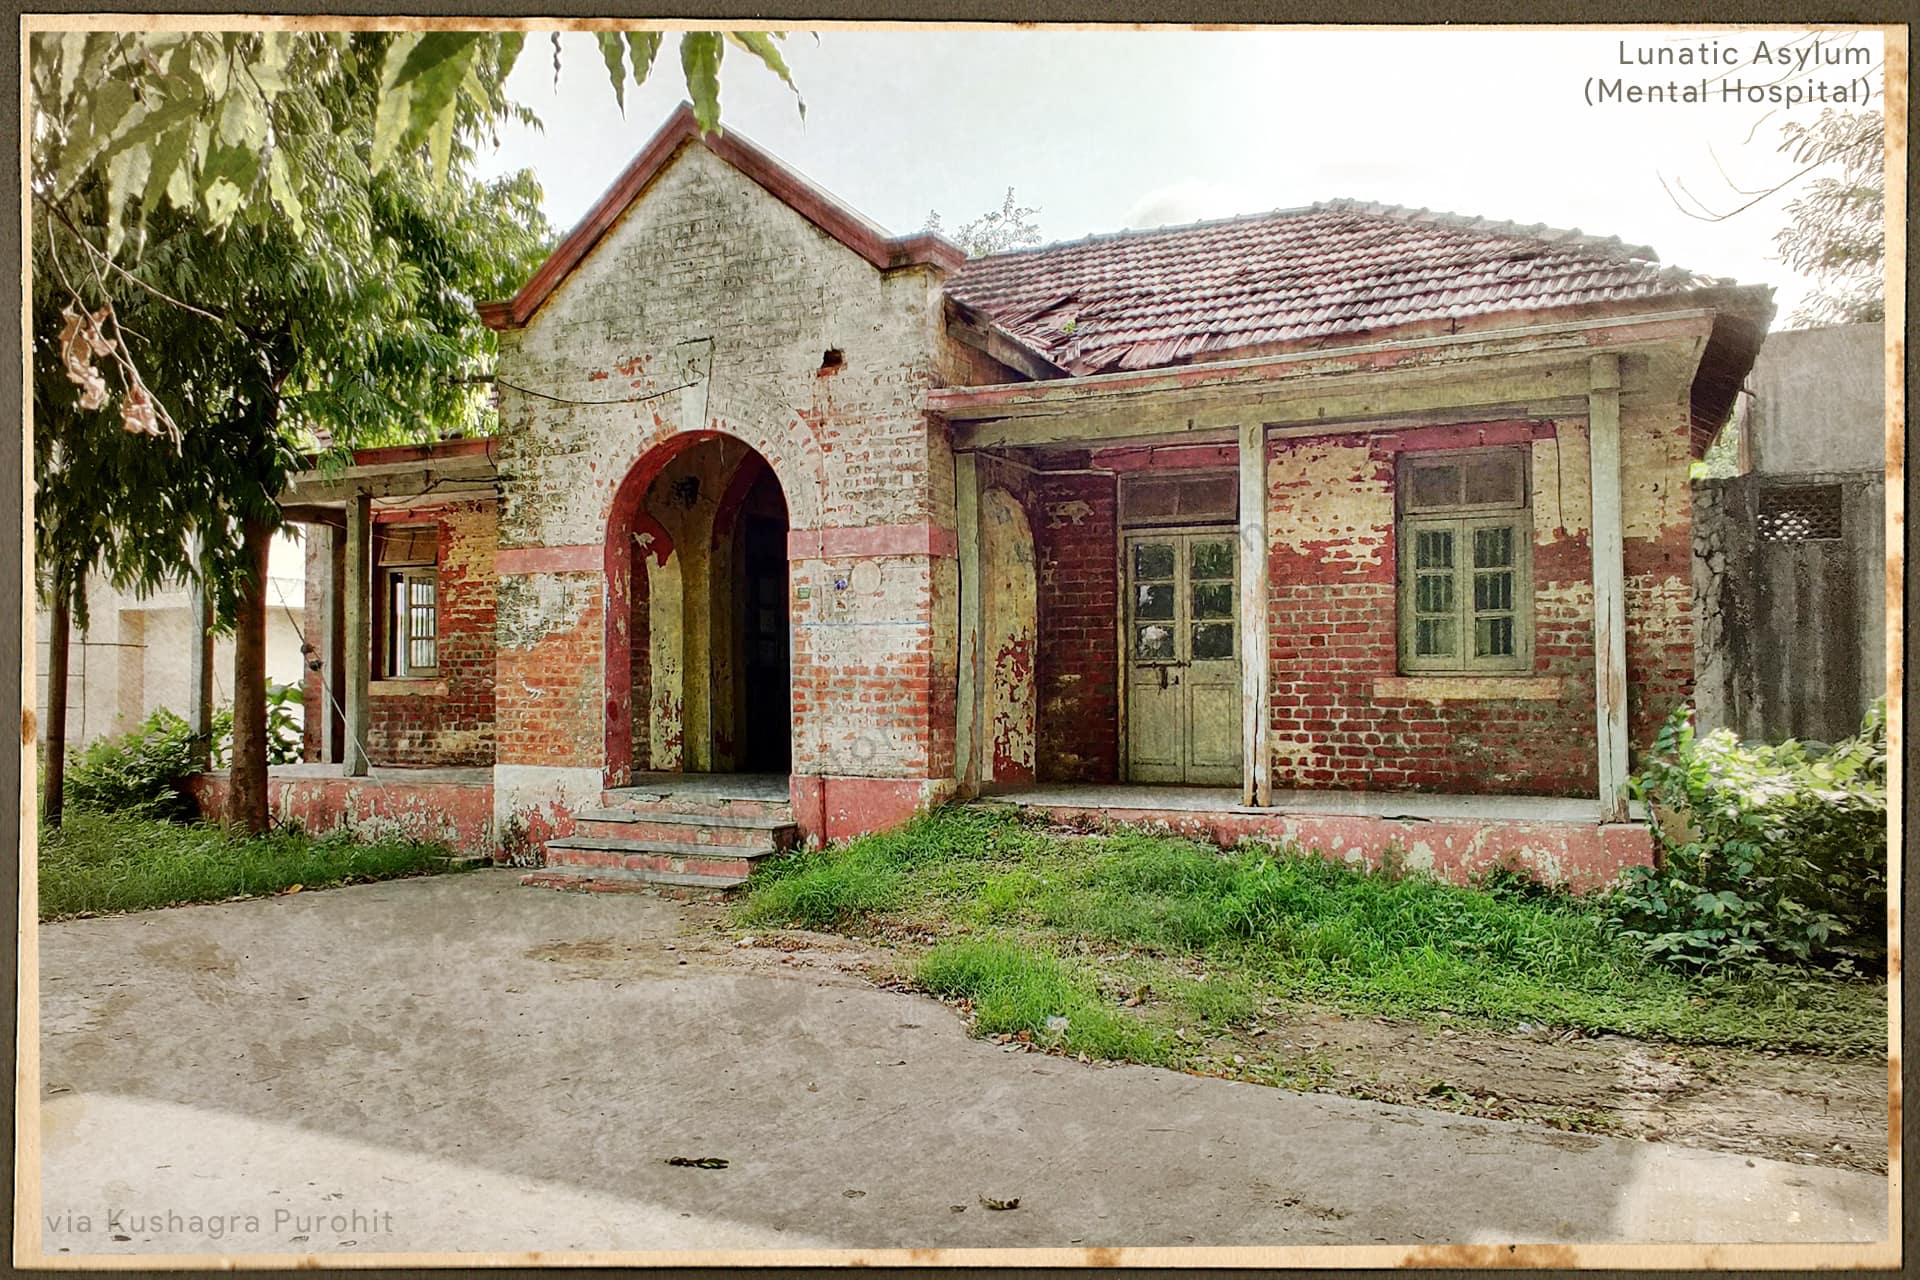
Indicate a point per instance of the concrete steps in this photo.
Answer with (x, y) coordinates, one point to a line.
(634, 841)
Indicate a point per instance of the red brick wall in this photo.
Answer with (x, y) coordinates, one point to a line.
(1332, 633)
(1659, 631)
(1074, 521)
(447, 721)
(871, 701)
(553, 628)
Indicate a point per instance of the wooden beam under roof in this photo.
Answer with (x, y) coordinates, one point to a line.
(968, 325)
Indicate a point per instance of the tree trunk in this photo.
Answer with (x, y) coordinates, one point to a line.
(54, 732)
(200, 659)
(247, 780)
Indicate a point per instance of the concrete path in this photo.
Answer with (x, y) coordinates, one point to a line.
(461, 1064)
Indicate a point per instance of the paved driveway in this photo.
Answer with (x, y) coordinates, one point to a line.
(461, 1064)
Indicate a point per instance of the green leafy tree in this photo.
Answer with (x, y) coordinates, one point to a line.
(1836, 228)
(182, 373)
(271, 242)
(214, 122)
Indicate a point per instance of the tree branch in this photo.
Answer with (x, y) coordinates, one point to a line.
(58, 210)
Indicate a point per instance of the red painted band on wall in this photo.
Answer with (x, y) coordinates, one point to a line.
(580, 559)
(923, 539)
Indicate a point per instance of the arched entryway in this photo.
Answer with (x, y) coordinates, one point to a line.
(698, 669)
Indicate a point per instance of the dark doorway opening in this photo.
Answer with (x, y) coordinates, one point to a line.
(765, 717)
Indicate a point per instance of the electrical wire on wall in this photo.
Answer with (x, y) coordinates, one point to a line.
(703, 376)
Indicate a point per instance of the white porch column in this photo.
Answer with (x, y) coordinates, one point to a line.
(359, 631)
(968, 704)
(1609, 585)
(1256, 786)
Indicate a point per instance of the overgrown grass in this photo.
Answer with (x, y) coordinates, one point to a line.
(99, 862)
(1269, 925)
(1015, 989)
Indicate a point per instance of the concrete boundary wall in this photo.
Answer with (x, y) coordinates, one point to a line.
(1791, 606)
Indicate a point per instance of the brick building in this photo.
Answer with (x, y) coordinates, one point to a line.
(1359, 525)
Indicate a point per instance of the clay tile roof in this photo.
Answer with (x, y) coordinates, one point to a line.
(1141, 299)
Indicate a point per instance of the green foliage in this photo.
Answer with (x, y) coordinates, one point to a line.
(1836, 229)
(139, 774)
(1016, 989)
(143, 773)
(284, 723)
(831, 887)
(285, 744)
(1783, 856)
(101, 862)
(250, 341)
(1722, 458)
(1269, 924)
(212, 123)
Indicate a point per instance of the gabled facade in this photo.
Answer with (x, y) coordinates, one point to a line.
(1315, 524)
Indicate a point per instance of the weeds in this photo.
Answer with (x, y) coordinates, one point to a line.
(1013, 989)
(1267, 924)
(96, 863)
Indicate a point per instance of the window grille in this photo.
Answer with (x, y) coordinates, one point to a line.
(1802, 513)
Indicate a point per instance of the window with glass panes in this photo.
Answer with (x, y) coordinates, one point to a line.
(1466, 529)
(408, 643)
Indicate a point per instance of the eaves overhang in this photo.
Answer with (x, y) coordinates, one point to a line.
(1537, 344)
(857, 233)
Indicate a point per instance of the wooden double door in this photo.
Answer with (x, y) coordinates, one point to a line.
(1183, 656)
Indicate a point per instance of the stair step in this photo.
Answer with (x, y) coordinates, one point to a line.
(675, 848)
(755, 822)
(611, 880)
(718, 839)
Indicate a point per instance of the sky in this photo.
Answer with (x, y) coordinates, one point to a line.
(1113, 128)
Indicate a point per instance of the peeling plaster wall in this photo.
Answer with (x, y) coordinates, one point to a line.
(706, 254)
(533, 804)
(448, 720)
(1656, 501)
(1583, 857)
(1339, 720)
(456, 814)
(547, 699)
(1008, 638)
(865, 675)
(710, 281)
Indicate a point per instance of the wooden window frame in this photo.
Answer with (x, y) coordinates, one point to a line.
(388, 618)
(1130, 518)
(1463, 519)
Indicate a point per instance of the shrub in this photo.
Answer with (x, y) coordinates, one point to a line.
(143, 773)
(101, 862)
(1777, 852)
(285, 744)
(139, 773)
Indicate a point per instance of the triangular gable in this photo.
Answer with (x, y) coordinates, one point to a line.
(810, 202)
